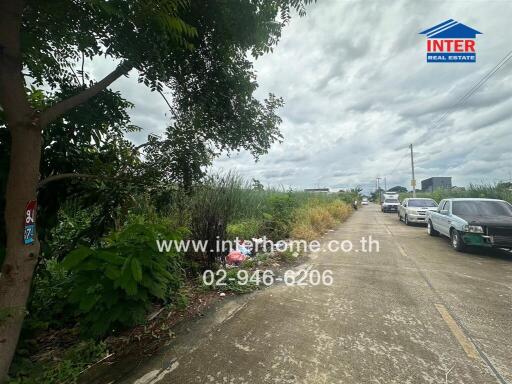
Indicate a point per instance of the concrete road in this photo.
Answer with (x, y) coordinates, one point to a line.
(414, 312)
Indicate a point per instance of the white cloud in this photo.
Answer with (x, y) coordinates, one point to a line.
(358, 91)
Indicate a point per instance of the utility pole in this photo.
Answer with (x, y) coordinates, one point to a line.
(385, 185)
(378, 189)
(413, 181)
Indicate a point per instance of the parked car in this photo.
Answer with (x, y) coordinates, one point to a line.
(390, 205)
(473, 222)
(364, 201)
(414, 210)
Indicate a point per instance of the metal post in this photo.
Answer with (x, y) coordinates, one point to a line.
(413, 181)
(378, 190)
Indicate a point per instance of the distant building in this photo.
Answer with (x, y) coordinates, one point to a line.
(433, 183)
(317, 190)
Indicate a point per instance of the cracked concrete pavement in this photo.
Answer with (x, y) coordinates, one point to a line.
(414, 312)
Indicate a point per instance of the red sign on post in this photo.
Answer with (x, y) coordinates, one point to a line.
(29, 223)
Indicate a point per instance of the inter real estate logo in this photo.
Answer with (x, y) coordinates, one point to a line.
(451, 42)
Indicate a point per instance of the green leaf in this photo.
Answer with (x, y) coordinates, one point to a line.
(136, 270)
(76, 257)
(88, 302)
(112, 273)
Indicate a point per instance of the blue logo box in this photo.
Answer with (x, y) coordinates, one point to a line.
(451, 57)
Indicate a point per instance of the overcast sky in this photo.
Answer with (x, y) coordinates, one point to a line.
(358, 91)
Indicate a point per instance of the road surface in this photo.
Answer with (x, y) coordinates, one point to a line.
(414, 312)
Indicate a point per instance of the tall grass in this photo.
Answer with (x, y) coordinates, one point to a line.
(317, 216)
(226, 206)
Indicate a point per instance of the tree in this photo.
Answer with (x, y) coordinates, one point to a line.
(398, 189)
(198, 50)
(377, 194)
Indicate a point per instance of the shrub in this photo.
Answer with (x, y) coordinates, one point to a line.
(317, 216)
(113, 285)
(339, 210)
(245, 229)
(213, 206)
(303, 231)
(278, 219)
(48, 306)
(321, 219)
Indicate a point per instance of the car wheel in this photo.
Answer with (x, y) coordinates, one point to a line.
(430, 229)
(406, 220)
(456, 240)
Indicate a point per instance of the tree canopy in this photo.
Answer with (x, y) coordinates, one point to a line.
(58, 125)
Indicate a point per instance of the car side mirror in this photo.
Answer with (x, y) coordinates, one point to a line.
(444, 212)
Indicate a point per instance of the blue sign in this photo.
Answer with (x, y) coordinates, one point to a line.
(29, 223)
(451, 42)
(28, 236)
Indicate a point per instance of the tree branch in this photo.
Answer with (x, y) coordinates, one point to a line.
(62, 107)
(171, 109)
(63, 176)
(83, 61)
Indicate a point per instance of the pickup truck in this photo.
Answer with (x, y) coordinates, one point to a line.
(414, 210)
(472, 222)
(390, 205)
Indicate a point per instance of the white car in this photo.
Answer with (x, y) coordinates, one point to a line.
(364, 201)
(414, 210)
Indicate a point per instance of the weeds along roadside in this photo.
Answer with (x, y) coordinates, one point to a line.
(91, 292)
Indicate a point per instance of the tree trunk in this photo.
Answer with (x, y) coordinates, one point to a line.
(20, 259)
(25, 128)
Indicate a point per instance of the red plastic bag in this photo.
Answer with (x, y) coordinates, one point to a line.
(235, 258)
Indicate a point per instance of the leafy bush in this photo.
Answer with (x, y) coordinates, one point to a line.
(48, 306)
(71, 228)
(245, 229)
(278, 219)
(213, 206)
(113, 285)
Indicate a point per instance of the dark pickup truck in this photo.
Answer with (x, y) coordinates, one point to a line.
(473, 222)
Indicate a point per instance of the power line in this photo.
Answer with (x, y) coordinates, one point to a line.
(474, 88)
(398, 163)
(464, 98)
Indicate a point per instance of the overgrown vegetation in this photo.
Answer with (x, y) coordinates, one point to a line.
(62, 132)
(113, 285)
(90, 287)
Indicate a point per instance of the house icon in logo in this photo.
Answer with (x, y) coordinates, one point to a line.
(451, 42)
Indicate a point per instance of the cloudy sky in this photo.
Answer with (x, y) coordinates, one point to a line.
(358, 91)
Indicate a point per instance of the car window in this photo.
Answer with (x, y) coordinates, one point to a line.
(442, 204)
(422, 203)
(391, 201)
(482, 208)
(447, 205)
